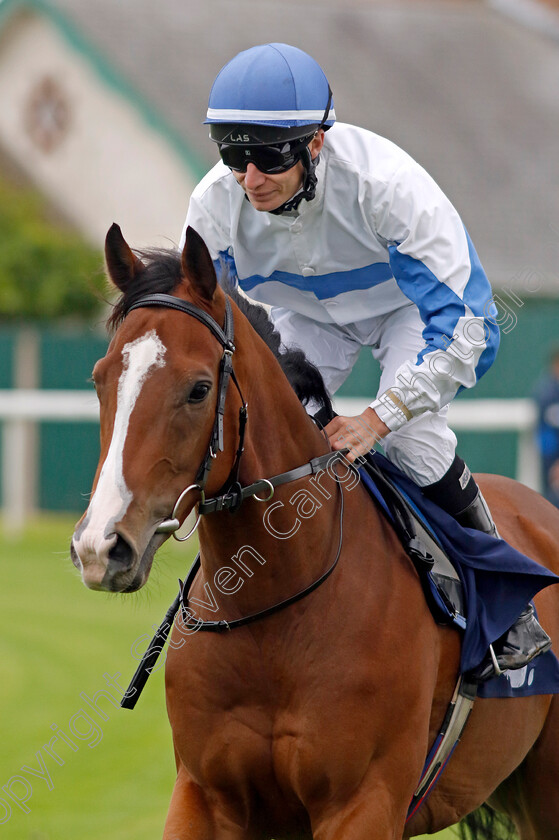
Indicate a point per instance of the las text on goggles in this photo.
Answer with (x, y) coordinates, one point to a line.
(268, 159)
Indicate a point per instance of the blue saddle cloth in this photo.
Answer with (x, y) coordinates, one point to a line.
(498, 582)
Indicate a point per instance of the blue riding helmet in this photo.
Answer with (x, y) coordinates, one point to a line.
(274, 96)
(272, 85)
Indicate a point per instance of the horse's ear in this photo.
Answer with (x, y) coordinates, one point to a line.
(197, 265)
(122, 264)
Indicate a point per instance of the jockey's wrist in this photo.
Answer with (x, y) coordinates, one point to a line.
(390, 411)
(371, 419)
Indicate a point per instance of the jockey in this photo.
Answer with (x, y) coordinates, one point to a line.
(354, 245)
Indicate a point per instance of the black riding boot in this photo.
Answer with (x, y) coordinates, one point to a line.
(458, 494)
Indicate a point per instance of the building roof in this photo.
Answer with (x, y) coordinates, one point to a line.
(468, 91)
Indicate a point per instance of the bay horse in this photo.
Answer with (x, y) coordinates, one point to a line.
(314, 719)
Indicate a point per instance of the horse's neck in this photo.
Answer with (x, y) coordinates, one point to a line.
(280, 435)
(286, 541)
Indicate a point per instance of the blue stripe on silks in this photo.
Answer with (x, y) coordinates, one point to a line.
(478, 289)
(226, 269)
(325, 285)
(440, 307)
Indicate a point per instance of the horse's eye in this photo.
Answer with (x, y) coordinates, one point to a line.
(199, 392)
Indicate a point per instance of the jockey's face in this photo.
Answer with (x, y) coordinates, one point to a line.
(268, 192)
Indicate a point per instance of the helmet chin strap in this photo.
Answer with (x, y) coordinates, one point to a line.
(307, 191)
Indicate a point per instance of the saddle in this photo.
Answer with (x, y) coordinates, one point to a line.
(439, 579)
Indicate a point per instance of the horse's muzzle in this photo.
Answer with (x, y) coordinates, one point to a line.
(109, 563)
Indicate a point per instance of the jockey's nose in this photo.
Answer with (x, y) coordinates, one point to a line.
(253, 177)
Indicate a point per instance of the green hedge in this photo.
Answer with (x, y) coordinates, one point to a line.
(46, 271)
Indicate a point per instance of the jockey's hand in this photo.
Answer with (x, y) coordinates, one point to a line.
(358, 434)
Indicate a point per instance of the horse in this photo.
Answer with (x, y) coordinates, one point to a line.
(311, 715)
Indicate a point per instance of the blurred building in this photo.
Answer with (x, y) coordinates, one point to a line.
(103, 105)
(81, 133)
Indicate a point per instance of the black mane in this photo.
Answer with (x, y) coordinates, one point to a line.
(162, 275)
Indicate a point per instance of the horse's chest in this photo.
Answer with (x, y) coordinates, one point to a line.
(259, 765)
(262, 738)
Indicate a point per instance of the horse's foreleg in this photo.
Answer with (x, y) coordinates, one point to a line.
(189, 817)
(370, 815)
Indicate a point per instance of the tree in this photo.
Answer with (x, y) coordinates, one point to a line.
(46, 271)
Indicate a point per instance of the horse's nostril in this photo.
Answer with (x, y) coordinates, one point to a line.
(121, 552)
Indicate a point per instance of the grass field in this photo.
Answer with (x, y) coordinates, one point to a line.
(106, 773)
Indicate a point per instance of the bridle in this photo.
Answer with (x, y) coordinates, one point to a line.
(230, 499)
(225, 337)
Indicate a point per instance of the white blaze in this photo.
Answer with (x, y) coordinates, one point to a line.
(112, 497)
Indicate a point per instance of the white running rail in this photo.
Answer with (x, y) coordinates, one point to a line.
(19, 408)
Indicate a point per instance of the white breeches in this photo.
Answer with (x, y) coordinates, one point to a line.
(423, 448)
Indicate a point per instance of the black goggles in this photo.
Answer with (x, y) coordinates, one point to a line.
(267, 159)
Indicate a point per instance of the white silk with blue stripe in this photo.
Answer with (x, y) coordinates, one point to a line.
(379, 234)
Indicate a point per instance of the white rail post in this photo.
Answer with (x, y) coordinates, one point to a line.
(528, 464)
(15, 475)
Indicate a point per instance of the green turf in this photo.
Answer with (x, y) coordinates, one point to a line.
(57, 641)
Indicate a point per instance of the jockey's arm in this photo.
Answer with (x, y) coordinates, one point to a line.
(437, 268)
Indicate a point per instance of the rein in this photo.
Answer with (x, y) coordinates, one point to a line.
(230, 500)
(221, 626)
